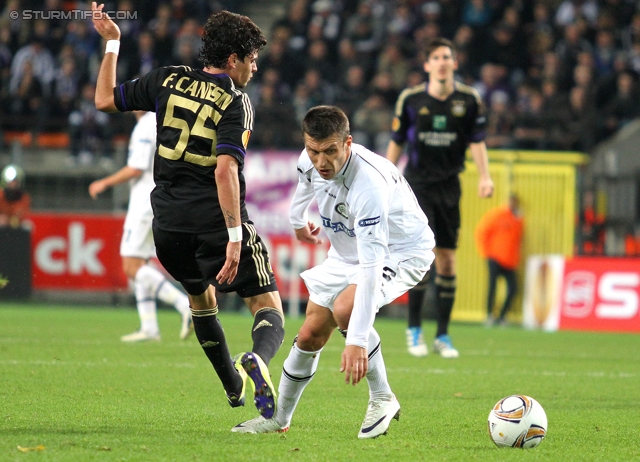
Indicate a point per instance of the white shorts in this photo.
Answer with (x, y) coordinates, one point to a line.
(400, 273)
(137, 237)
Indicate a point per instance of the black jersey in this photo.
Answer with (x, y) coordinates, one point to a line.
(199, 117)
(438, 132)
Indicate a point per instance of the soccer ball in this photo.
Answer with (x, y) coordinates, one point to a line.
(517, 421)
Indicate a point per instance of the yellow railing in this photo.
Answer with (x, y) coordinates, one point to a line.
(546, 185)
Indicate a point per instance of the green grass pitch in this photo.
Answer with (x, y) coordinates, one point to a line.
(68, 385)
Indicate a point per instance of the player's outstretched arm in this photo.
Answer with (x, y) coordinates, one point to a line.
(481, 159)
(122, 175)
(108, 30)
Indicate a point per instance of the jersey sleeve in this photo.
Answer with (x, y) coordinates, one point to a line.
(139, 94)
(299, 208)
(235, 127)
(400, 124)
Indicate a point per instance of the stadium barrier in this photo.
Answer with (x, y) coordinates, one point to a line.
(546, 183)
(582, 293)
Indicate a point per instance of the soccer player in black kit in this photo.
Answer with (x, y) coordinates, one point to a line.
(201, 228)
(438, 120)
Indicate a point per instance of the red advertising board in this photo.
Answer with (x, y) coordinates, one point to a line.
(77, 252)
(601, 294)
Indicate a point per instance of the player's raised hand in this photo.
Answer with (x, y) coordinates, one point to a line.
(309, 234)
(485, 188)
(107, 29)
(354, 364)
(230, 269)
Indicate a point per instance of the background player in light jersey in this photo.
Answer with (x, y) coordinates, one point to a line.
(380, 247)
(201, 227)
(137, 247)
(438, 121)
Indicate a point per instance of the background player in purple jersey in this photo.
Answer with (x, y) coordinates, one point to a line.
(201, 228)
(438, 121)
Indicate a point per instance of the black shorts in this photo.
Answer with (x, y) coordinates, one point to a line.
(195, 259)
(441, 203)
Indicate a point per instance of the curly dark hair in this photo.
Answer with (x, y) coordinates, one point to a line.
(321, 122)
(226, 33)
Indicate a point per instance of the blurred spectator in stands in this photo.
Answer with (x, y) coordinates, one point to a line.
(569, 46)
(371, 124)
(19, 30)
(144, 61)
(608, 85)
(57, 26)
(89, 130)
(276, 119)
(502, 49)
(365, 31)
(348, 56)
(392, 60)
(538, 45)
(278, 57)
(580, 127)
(184, 54)
(624, 107)
(296, 21)
(498, 237)
(382, 84)
(188, 35)
(492, 78)
(631, 33)
(129, 30)
(531, 124)
(320, 91)
(402, 20)
(541, 19)
(164, 17)
(283, 91)
(468, 66)
(449, 16)
(5, 64)
(499, 121)
(84, 41)
(352, 93)
(164, 43)
(27, 99)
(318, 58)
(583, 77)
(325, 23)
(42, 66)
(604, 52)
(15, 201)
(570, 10)
(477, 13)
(65, 88)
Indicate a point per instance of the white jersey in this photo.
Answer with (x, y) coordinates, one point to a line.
(368, 212)
(137, 239)
(142, 147)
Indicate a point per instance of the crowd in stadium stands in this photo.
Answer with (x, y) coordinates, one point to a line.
(553, 74)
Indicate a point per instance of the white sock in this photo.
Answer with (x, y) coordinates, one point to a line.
(377, 373)
(161, 288)
(297, 372)
(146, 304)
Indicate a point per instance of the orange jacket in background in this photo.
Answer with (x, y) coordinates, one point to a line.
(499, 236)
(14, 211)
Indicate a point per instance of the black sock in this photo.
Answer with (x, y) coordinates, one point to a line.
(212, 340)
(267, 333)
(445, 296)
(416, 300)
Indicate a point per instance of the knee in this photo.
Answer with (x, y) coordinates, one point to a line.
(311, 340)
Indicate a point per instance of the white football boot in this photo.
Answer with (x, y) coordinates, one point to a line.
(140, 336)
(378, 417)
(260, 425)
(415, 342)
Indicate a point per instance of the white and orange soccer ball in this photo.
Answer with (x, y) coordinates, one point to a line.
(517, 421)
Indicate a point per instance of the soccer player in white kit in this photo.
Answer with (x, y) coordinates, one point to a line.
(137, 247)
(381, 246)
